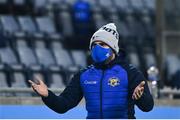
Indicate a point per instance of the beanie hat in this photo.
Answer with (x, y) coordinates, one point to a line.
(107, 34)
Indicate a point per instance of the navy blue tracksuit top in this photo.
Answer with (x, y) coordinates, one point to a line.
(107, 91)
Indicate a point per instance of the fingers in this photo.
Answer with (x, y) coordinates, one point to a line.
(135, 97)
(142, 84)
(33, 85)
(39, 79)
(31, 82)
(138, 93)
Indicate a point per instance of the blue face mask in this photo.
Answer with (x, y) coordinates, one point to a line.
(100, 54)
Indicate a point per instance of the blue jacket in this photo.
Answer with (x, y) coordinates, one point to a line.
(107, 91)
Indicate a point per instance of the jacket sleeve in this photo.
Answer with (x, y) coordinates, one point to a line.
(146, 102)
(68, 99)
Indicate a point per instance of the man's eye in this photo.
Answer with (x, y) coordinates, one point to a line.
(102, 44)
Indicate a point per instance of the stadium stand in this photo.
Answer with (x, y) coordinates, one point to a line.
(51, 37)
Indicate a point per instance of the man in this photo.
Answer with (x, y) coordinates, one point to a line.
(111, 86)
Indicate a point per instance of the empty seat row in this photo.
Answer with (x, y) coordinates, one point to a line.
(40, 54)
(23, 62)
(138, 4)
(142, 58)
(17, 77)
(25, 24)
(172, 70)
(65, 24)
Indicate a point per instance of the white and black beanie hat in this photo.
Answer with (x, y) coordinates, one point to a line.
(107, 34)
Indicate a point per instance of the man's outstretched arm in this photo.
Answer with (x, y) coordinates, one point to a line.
(140, 91)
(68, 99)
(145, 102)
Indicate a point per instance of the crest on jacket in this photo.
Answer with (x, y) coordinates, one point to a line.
(113, 81)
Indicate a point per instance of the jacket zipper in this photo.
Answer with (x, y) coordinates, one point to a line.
(101, 112)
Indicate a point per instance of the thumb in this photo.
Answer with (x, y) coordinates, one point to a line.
(142, 84)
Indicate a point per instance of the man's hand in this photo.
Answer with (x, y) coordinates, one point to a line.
(39, 87)
(138, 91)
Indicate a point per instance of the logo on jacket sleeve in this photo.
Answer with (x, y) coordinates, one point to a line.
(113, 81)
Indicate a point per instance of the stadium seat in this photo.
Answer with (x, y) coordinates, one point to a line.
(123, 6)
(70, 71)
(92, 3)
(138, 7)
(133, 56)
(98, 19)
(71, 2)
(39, 6)
(172, 67)
(149, 28)
(3, 2)
(137, 4)
(28, 26)
(25, 53)
(19, 2)
(149, 57)
(63, 59)
(170, 13)
(43, 54)
(8, 56)
(46, 26)
(79, 58)
(18, 77)
(133, 25)
(150, 4)
(176, 80)
(61, 55)
(20, 7)
(4, 5)
(9, 24)
(107, 4)
(150, 60)
(56, 6)
(57, 78)
(3, 77)
(151, 7)
(124, 32)
(64, 23)
(54, 2)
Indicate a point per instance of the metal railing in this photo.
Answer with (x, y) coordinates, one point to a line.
(166, 91)
(169, 92)
(26, 90)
